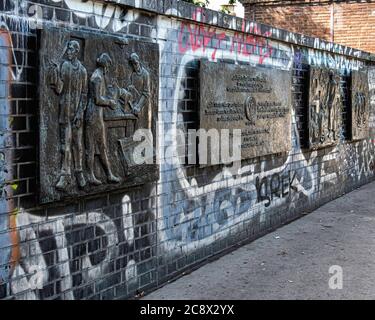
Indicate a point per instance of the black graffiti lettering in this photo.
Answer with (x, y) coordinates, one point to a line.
(284, 185)
(291, 186)
(275, 188)
(259, 187)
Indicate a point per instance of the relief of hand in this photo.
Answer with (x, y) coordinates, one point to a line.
(136, 109)
(77, 122)
(112, 104)
(54, 75)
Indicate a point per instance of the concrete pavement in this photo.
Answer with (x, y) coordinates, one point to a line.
(294, 261)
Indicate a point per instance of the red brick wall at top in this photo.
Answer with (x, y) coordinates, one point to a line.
(353, 23)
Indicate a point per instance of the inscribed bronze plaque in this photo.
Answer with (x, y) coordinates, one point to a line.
(324, 107)
(95, 92)
(360, 103)
(255, 100)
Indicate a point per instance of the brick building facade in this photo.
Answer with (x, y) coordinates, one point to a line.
(350, 23)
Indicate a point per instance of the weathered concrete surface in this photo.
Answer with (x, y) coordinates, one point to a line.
(293, 261)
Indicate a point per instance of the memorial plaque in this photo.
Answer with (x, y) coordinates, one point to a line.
(324, 107)
(95, 91)
(360, 103)
(253, 99)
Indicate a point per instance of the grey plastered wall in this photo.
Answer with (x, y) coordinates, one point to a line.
(118, 244)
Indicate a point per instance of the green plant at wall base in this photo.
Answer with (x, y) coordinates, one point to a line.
(14, 186)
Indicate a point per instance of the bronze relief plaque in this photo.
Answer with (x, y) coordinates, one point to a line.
(325, 103)
(95, 92)
(360, 103)
(253, 99)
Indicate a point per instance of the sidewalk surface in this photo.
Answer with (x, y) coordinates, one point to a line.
(293, 262)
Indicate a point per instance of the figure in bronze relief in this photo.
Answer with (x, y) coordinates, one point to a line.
(96, 138)
(331, 100)
(139, 84)
(360, 108)
(324, 107)
(360, 103)
(251, 110)
(69, 80)
(96, 100)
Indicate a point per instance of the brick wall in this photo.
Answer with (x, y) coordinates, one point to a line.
(349, 23)
(119, 244)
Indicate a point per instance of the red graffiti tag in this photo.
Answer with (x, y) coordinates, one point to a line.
(247, 44)
(199, 36)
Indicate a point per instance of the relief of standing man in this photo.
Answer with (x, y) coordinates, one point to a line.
(139, 84)
(96, 137)
(70, 83)
(332, 100)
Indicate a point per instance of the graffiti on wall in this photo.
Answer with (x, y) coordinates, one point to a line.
(276, 186)
(205, 40)
(21, 26)
(4, 105)
(8, 235)
(194, 37)
(105, 16)
(76, 256)
(333, 61)
(68, 254)
(198, 213)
